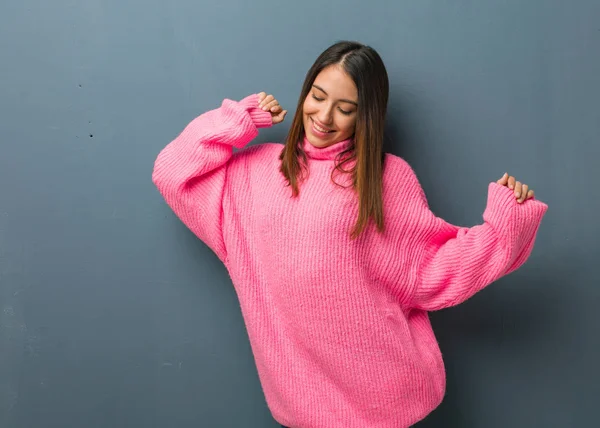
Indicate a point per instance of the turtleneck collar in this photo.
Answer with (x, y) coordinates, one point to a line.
(326, 153)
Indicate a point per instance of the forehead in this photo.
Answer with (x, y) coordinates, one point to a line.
(336, 83)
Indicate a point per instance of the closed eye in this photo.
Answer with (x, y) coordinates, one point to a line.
(345, 112)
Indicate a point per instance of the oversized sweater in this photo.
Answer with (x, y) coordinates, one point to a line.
(339, 328)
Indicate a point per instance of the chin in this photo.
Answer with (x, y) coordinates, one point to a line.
(317, 142)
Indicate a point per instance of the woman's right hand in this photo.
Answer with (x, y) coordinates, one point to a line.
(270, 104)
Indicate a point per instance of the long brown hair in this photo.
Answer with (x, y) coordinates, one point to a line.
(365, 67)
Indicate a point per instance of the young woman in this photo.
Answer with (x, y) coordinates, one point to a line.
(332, 249)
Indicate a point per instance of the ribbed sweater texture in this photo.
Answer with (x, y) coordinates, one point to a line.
(339, 328)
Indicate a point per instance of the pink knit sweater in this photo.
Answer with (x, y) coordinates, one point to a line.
(339, 328)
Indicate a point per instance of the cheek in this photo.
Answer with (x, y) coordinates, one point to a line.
(308, 107)
(347, 124)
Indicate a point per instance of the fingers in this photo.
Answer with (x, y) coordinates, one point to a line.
(530, 194)
(504, 180)
(268, 103)
(511, 182)
(523, 196)
(521, 191)
(278, 118)
(518, 187)
(270, 106)
(266, 100)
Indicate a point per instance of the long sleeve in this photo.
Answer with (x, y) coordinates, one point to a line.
(457, 262)
(191, 171)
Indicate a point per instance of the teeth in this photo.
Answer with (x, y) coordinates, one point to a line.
(318, 128)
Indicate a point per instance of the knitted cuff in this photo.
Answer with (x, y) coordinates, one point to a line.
(261, 118)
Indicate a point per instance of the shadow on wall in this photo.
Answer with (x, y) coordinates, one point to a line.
(521, 315)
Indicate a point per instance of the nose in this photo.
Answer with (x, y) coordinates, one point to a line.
(325, 114)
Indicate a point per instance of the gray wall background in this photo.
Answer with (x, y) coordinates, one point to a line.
(113, 315)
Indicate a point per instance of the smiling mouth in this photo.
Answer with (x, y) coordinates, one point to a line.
(320, 128)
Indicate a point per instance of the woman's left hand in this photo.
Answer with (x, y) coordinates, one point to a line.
(522, 191)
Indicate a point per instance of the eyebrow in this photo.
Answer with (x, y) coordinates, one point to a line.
(342, 100)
